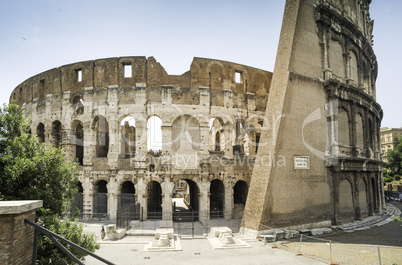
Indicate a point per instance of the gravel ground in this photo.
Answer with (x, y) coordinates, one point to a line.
(355, 248)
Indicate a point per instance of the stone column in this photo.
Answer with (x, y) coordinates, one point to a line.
(166, 138)
(229, 203)
(87, 187)
(89, 146)
(17, 237)
(167, 189)
(114, 128)
(228, 140)
(204, 186)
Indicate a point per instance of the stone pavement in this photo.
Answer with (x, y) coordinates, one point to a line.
(129, 250)
(359, 247)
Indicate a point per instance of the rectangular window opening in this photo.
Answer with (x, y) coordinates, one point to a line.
(42, 83)
(79, 75)
(128, 71)
(238, 77)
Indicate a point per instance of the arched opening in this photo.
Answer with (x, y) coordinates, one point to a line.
(353, 70)
(154, 192)
(241, 141)
(101, 128)
(78, 105)
(79, 143)
(359, 131)
(217, 138)
(343, 128)
(363, 198)
(185, 201)
(154, 134)
(218, 141)
(78, 201)
(185, 134)
(128, 134)
(240, 192)
(100, 200)
(217, 199)
(56, 134)
(127, 198)
(40, 132)
(346, 208)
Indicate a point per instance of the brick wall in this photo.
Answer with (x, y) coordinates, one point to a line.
(16, 238)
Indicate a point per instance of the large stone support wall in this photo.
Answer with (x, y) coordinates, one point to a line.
(317, 143)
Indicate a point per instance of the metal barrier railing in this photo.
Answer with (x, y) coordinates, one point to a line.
(54, 237)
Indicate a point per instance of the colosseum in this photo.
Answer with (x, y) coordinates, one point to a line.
(294, 148)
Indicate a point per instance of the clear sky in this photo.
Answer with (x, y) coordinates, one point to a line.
(38, 35)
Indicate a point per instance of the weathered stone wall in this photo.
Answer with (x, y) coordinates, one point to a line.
(324, 113)
(92, 101)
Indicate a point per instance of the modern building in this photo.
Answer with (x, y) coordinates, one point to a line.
(389, 139)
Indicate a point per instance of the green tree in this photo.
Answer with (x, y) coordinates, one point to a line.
(394, 159)
(30, 171)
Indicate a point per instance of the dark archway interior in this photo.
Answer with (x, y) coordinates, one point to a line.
(154, 200)
(240, 192)
(217, 199)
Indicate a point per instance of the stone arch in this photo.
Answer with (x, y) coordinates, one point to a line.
(101, 130)
(100, 200)
(336, 59)
(154, 200)
(216, 74)
(78, 136)
(217, 199)
(241, 137)
(240, 192)
(353, 67)
(126, 199)
(343, 127)
(359, 130)
(154, 133)
(40, 132)
(127, 137)
(56, 139)
(185, 193)
(346, 206)
(185, 134)
(78, 105)
(216, 134)
(362, 187)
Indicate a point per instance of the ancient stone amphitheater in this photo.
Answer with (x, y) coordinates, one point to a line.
(300, 145)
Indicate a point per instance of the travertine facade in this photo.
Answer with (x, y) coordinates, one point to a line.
(326, 121)
(307, 143)
(102, 111)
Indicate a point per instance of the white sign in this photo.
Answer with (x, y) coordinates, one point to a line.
(302, 162)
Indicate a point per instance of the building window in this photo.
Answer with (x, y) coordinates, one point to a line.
(78, 73)
(238, 77)
(128, 70)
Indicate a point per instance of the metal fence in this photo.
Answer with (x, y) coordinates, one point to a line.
(185, 223)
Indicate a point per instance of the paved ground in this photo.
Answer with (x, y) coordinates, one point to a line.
(347, 248)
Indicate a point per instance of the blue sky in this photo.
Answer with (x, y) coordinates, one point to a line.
(37, 35)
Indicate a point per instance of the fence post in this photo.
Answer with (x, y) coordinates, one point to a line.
(379, 254)
(301, 239)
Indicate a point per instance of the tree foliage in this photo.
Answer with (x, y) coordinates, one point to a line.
(394, 160)
(30, 171)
